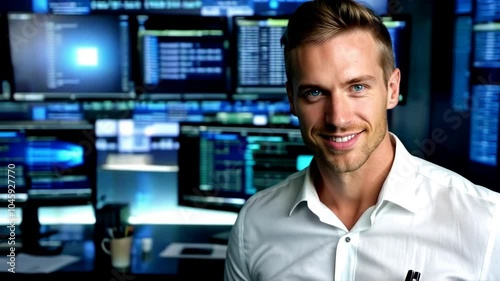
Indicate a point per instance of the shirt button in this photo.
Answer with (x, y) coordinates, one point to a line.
(347, 239)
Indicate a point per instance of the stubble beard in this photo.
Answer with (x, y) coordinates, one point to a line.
(336, 161)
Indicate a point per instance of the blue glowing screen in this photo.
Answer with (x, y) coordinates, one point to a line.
(72, 54)
(234, 162)
(39, 153)
(50, 160)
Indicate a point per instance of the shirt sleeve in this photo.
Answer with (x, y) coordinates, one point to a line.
(235, 265)
(491, 268)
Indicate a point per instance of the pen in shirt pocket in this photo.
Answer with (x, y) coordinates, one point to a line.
(412, 275)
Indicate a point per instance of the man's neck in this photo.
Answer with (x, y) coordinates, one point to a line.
(348, 195)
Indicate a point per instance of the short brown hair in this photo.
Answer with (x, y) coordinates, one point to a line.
(319, 20)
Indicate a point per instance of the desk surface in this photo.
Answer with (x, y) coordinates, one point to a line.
(80, 241)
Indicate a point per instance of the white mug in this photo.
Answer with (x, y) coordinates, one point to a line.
(119, 250)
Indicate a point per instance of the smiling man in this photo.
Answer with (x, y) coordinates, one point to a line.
(338, 92)
(365, 208)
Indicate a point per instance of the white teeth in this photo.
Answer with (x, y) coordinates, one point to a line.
(343, 139)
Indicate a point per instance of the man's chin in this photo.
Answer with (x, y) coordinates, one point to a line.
(338, 163)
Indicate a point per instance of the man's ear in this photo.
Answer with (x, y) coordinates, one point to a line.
(289, 93)
(393, 89)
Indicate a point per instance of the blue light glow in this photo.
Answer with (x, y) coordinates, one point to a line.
(40, 6)
(273, 4)
(63, 154)
(87, 56)
(8, 134)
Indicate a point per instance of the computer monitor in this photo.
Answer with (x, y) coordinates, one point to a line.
(484, 135)
(183, 57)
(485, 116)
(462, 46)
(399, 28)
(259, 71)
(221, 166)
(14, 191)
(485, 52)
(54, 163)
(70, 56)
(4, 58)
(260, 68)
(486, 11)
(287, 7)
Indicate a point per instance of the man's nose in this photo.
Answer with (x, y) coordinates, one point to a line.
(338, 110)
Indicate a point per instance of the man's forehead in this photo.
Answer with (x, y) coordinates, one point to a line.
(347, 60)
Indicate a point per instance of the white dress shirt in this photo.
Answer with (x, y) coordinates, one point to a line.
(427, 219)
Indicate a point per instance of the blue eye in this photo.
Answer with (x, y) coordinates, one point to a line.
(358, 88)
(313, 93)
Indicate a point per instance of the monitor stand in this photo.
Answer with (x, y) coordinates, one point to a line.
(30, 235)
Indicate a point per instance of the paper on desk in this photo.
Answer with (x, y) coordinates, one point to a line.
(174, 250)
(25, 263)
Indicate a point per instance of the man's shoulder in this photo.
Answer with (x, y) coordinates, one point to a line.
(430, 177)
(276, 198)
(443, 178)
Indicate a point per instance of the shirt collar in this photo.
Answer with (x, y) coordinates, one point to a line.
(400, 185)
(398, 188)
(307, 192)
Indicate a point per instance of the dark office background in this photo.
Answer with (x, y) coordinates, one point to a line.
(452, 93)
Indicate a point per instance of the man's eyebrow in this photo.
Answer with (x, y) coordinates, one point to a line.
(303, 87)
(354, 80)
(359, 79)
